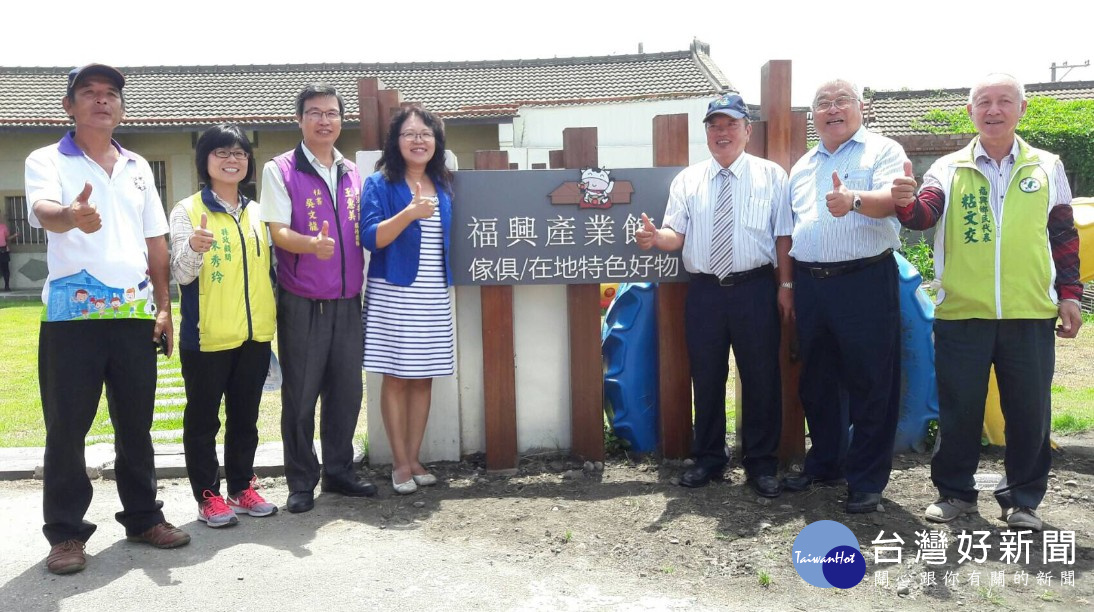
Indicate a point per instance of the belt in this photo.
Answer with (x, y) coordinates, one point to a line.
(829, 270)
(734, 278)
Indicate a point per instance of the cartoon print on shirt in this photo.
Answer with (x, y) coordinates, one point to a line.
(81, 298)
(130, 298)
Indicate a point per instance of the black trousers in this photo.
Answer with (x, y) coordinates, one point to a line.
(237, 375)
(5, 266)
(1024, 354)
(849, 337)
(746, 318)
(75, 359)
(319, 342)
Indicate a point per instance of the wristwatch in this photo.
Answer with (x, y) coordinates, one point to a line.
(856, 202)
(786, 285)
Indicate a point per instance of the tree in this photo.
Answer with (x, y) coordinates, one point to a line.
(1065, 128)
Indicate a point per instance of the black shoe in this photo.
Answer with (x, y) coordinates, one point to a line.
(862, 503)
(300, 501)
(805, 480)
(766, 486)
(350, 486)
(700, 476)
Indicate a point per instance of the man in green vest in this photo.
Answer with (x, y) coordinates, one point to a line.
(1006, 251)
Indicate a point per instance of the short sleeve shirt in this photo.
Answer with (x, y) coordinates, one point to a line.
(866, 162)
(103, 274)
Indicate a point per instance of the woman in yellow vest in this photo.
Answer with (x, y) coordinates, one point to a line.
(221, 261)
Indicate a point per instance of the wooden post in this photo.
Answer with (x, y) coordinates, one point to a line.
(555, 159)
(389, 102)
(498, 363)
(670, 148)
(775, 106)
(784, 131)
(369, 110)
(583, 306)
(757, 143)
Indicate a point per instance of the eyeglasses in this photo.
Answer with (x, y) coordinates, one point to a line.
(841, 103)
(239, 154)
(318, 115)
(412, 136)
(727, 126)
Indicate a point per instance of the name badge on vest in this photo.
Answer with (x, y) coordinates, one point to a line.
(1029, 184)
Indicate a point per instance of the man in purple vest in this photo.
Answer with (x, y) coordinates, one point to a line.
(311, 198)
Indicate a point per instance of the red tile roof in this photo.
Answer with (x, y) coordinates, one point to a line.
(893, 113)
(190, 96)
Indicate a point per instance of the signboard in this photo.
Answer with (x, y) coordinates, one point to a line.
(556, 227)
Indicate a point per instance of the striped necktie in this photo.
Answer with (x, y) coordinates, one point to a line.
(721, 243)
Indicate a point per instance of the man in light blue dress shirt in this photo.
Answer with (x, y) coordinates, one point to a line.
(846, 301)
(731, 217)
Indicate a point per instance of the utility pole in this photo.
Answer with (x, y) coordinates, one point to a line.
(1069, 68)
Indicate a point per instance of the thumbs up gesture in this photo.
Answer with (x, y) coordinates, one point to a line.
(840, 198)
(202, 239)
(419, 207)
(904, 187)
(85, 216)
(646, 236)
(324, 244)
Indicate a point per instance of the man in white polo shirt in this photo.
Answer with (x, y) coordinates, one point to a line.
(105, 227)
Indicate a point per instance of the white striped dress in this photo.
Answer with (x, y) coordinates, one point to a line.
(408, 330)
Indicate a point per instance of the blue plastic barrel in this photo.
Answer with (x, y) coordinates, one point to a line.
(629, 345)
(918, 388)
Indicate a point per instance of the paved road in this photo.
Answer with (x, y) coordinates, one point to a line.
(337, 557)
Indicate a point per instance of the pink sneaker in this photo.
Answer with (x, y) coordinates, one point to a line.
(248, 501)
(214, 512)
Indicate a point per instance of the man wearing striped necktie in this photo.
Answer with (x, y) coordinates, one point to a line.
(847, 306)
(731, 217)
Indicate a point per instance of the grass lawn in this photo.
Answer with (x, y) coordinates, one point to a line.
(1072, 409)
(21, 407)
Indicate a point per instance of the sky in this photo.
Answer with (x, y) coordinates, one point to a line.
(929, 44)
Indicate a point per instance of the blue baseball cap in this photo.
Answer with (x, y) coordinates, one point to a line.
(109, 72)
(728, 104)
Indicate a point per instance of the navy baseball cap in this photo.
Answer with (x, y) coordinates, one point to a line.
(109, 72)
(728, 104)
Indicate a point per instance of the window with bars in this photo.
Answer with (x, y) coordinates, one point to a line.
(159, 175)
(15, 211)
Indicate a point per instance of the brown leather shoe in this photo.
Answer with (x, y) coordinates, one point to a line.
(66, 557)
(164, 535)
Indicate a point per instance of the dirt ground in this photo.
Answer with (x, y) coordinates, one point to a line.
(1075, 360)
(634, 518)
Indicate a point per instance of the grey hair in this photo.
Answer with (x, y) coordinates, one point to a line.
(997, 78)
(840, 82)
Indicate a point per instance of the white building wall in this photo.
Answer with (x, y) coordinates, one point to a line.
(624, 131)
